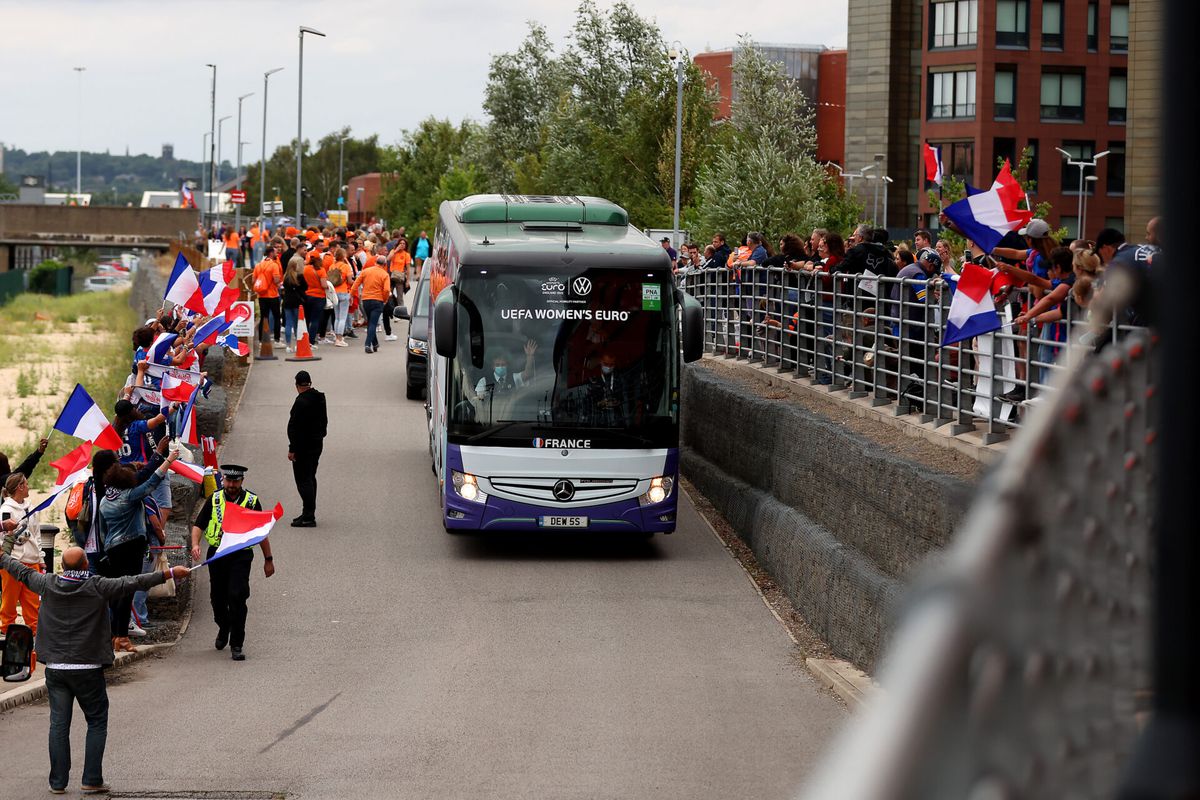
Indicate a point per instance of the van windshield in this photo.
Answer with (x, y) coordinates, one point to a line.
(575, 353)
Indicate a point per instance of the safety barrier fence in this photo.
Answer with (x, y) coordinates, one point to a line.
(880, 338)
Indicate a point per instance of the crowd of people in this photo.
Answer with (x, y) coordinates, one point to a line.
(1043, 285)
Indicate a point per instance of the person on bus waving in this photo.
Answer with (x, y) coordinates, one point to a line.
(501, 380)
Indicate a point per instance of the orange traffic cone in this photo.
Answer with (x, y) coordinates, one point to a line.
(303, 347)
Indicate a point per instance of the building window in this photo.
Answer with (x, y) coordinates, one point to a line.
(1062, 95)
(961, 159)
(1052, 25)
(1031, 174)
(1118, 37)
(1093, 15)
(955, 23)
(1071, 223)
(1118, 87)
(1079, 151)
(1004, 148)
(1012, 23)
(952, 95)
(1116, 168)
(1006, 93)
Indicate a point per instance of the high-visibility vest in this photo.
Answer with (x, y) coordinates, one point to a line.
(213, 534)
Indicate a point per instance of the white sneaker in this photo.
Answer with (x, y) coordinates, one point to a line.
(288, 349)
(136, 631)
(391, 337)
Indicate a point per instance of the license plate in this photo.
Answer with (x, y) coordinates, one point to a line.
(563, 522)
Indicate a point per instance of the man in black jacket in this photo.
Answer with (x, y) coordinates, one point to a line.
(73, 642)
(306, 436)
(866, 253)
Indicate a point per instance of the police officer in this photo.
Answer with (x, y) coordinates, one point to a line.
(229, 576)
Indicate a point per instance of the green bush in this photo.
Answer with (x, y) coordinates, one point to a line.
(43, 277)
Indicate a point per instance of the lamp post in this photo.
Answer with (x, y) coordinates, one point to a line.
(79, 131)
(1083, 218)
(879, 157)
(1082, 164)
(262, 165)
(675, 54)
(300, 125)
(886, 180)
(203, 204)
(212, 138)
(358, 193)
(850, 176)
(220, 138)
(237, 175)
(275, 215)
(341, 165)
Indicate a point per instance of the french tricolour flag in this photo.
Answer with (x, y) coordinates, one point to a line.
(933, 164)
(242, 528)
(187, 430)
(214, 294)
(972, 312)
(83, 419)
(193, 472)
(176, 390)
(235, 345)
(160, 350)
(183, 283)
(986, 217)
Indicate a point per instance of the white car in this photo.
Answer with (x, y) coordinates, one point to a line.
(104, 283)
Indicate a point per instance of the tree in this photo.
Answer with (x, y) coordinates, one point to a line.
(320, 171)
(415, 168)
(766, 177)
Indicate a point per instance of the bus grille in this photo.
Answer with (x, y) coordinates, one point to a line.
(541, 489)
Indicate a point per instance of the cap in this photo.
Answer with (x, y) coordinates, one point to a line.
(930, 255)
(233, 472)
(1037, 228)
(122, 408)
(303, 378)
(665, 239)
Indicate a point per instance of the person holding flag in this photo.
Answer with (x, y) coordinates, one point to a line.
(229, 581)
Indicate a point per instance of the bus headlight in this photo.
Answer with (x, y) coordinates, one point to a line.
(660, 489)
(466, 486)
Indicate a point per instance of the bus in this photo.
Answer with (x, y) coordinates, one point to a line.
(558, 336)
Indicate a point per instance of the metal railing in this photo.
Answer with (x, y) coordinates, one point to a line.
(880, 338)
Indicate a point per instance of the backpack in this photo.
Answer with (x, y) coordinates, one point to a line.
(335, 276)
(262, 284)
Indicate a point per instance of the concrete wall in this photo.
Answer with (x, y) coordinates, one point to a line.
(41, 222)
(839, 522)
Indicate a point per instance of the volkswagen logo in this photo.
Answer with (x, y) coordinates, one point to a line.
(581, 286)
(564, 490)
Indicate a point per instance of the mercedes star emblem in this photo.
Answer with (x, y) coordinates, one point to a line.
(564, 490)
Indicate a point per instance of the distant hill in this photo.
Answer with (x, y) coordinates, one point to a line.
(112, 180)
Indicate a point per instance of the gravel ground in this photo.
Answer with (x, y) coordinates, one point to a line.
(942, 459)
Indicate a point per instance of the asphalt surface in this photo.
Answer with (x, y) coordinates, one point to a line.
(388, 659)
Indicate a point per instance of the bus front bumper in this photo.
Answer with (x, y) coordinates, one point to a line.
(501, 514)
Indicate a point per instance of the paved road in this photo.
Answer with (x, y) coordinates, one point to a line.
(388, 659)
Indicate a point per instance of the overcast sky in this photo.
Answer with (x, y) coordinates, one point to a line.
(385, 65)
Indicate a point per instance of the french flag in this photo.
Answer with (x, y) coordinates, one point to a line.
(242, 528)
(83, 419)
(209, 331)
(160, 351)
(933, 164)
(193, 472)
(72, 462)
(187, 429)
(65, 484)
(176, 390)
(235, 345)
(986, 217)
(972, 311)
(214, 293)
(183, 283)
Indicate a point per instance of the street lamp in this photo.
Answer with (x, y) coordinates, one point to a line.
(341, 165)
(203, 204)
(79, 131)
(300, 124)
(275, 214)
(1083, 219)
(237, 174)
(886, 180)
(220, 140)
(212, 138)
(358, 193)
(1082, 166)
(879, 157)
(850, 176)
(675, 54)
(262, 165)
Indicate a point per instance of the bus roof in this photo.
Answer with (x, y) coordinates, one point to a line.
(547, 231)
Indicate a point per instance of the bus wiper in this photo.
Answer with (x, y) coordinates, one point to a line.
(495, 429)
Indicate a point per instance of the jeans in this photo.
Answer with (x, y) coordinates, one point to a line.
(341, 314)
(228, 591)
(269, 316)
(304, 470)
(124, 559)
(372, 309)
(291, 318)
(314, 308)
(65, 687)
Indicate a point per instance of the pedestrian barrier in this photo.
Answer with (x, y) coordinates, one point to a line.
(1021, 665)
(879, 338)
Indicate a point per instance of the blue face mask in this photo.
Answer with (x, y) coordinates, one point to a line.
(501, 373)
(605, 369)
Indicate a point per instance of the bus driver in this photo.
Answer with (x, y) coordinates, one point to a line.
(501, 380)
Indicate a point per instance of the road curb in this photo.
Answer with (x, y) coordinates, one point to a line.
(847, 681)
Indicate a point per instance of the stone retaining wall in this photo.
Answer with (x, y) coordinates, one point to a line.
(839, 522)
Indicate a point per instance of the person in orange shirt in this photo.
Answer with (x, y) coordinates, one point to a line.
(376, 285)
(267, 280)
(232, 243)
(399, 260)
(340, 277)
(315, 281)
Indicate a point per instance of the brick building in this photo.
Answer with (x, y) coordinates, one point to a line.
(820, 73)
(1001, 75)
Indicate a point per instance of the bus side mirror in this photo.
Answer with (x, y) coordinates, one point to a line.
(693, 326)
(445, 323)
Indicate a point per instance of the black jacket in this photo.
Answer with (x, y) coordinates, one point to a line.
(721, 256)
(26, 467)
(308, 422)
(868, 256)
